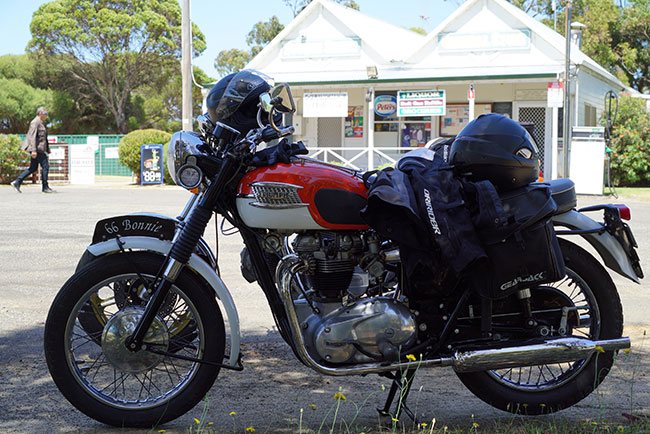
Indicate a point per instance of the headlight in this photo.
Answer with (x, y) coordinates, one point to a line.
(182, 146)
(189, 176)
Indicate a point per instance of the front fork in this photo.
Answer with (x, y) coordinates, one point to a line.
(181, 251)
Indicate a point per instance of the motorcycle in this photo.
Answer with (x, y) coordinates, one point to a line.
(136, 337)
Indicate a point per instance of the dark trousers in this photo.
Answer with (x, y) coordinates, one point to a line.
(41, 158)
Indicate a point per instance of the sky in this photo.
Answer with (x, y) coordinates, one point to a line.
(225, 23)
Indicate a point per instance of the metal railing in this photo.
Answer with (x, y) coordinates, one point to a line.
(352, 156)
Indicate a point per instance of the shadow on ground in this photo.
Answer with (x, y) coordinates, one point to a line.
(270, 393)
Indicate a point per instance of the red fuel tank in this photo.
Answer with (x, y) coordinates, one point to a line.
(303, 195)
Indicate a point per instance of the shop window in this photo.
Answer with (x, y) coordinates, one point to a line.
(415, 131)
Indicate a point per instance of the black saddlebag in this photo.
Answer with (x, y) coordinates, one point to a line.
(522, 251)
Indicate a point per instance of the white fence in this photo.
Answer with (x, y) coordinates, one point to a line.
(360, 158)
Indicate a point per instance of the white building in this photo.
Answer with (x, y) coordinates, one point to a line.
(347, 70)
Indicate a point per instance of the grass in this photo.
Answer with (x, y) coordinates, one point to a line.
(324, 420)
(633, 193)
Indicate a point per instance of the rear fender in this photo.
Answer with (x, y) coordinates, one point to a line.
(606, 245)
(196, 264)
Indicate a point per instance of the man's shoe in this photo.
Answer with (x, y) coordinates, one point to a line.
(16, 185)
(48, 190)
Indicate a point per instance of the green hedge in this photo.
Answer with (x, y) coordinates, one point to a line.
(129, 148)
(630, 144)
(12, 158)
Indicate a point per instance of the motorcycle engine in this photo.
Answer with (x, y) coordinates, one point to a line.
(343, 314)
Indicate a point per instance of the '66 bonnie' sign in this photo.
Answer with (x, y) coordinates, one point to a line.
(134, 225)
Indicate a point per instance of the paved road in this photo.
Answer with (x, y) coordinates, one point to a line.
(42, 237)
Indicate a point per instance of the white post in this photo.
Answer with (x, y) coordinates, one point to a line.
(471, 97)
(566, 136)
(186, 66)
(575, 99)
(554, 138)
(370, 127)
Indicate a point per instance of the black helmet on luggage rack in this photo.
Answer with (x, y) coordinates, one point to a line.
(493, 147)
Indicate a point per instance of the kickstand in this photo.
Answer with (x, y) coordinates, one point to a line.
(401, 382)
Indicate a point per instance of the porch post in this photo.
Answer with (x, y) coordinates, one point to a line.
(554, 139)
(370, 128)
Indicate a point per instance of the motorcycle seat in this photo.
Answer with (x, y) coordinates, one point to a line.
(563, 192)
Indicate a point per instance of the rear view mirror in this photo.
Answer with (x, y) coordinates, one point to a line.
(282, 99)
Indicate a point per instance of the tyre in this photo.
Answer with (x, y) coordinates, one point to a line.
(542, 389)
(93, 369)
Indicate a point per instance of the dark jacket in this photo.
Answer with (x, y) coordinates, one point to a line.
(36, 138)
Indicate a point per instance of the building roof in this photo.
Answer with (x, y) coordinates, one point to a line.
(329, 43)
(324, 22)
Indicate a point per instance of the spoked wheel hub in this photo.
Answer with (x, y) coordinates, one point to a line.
(117, 331)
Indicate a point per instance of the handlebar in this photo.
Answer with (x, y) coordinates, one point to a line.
(269, 133)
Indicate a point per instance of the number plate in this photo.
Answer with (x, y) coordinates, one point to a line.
(134, 225)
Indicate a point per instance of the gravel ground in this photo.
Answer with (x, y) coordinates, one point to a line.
(42, 237)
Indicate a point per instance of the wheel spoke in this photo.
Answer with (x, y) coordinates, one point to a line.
(139, 382)
(549, 376)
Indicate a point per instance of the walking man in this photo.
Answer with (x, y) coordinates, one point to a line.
(36, 144)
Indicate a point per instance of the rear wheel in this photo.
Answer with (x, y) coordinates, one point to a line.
(92, 367)
(548, 388)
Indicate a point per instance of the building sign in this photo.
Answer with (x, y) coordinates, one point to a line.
(151, 162)
(354, 122)
(555, 95)
(112, 152)
(325, 105)
(385, 105)
(82, 164)
(421, 103)
(57, 153)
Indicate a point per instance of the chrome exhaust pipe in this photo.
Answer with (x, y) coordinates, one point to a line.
(552, 351)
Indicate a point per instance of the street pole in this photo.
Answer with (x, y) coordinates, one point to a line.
(186, 66)
(566, 135)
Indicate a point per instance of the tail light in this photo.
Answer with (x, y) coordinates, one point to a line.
(623, 211)
(540, 178)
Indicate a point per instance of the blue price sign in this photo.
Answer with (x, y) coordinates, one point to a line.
(151, 164)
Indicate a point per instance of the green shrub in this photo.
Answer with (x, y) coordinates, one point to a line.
(12, 158)
(630, 144)
(129, 148)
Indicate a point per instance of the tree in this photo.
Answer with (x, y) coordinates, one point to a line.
(161, 103)
(616, 36)
(110, 47)
(18, 104)
(232, 60)
(419, 30)
(630, 143)
(262, 34)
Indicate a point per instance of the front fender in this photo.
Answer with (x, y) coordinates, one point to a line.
(196, 264)
(605, 244)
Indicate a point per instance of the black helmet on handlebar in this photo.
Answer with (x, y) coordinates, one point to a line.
(234, 99)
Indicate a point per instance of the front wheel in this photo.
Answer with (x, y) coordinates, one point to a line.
(548, 388)
(94, 370)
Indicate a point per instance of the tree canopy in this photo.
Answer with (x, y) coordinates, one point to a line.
(18, 104)
(617, 36)
(234, 60)
(110, 48)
